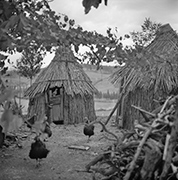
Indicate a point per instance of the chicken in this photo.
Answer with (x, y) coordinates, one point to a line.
(2, 137)
(88, 128)
(38, 150)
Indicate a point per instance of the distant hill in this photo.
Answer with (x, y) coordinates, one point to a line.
(103, 69)
(100, 78)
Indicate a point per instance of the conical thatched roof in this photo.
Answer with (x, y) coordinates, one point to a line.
(63, 70)
(166, 41)
(156, 68)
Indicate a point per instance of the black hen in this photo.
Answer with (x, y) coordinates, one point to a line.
(38, 150)
(88, 129)
(2, 137)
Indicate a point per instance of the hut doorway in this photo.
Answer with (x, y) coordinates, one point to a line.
(57, 105)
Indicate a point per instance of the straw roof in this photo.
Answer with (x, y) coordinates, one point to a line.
(63, 70)
(156, 68)
(166, 41)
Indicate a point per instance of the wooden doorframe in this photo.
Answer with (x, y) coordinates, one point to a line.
(59, 95)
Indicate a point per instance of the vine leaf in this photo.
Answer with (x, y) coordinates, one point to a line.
(87, 4)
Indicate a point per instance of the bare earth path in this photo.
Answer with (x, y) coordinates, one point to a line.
(61, 162)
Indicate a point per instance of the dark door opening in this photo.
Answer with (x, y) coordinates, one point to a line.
(57, 105)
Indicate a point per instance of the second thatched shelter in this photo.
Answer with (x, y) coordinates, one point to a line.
(62, 91)
(152, 75)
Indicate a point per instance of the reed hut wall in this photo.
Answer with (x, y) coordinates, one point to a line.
(77, 107)
(139, 98)
(74, 110)
(2, 86)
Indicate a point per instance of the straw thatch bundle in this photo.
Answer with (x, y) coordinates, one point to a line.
(75, 90)
(152, 75)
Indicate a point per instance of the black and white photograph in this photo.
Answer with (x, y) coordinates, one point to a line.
(88, 89)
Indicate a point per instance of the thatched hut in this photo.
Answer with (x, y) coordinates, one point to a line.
(62, 91)
(152, 75)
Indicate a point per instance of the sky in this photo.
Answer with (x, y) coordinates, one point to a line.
(126, 15)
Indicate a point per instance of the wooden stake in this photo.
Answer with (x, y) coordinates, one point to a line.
(144, 113)
(115, 107)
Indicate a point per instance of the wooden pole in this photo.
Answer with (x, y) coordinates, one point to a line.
(115, 107)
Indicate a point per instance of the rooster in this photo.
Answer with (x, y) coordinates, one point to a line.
(38, 150)
(88, 129)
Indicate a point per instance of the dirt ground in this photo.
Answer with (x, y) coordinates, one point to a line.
(61, 163)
